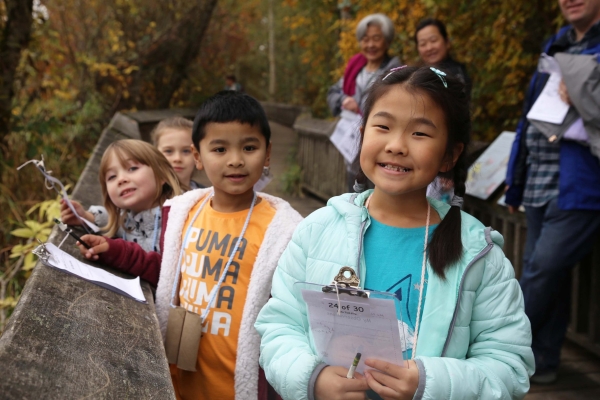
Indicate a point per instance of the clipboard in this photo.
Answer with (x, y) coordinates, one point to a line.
(52, 256)
(344, 319)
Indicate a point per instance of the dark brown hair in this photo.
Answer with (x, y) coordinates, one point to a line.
(445, 247)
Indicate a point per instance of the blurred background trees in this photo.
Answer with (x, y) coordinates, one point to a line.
(66, 66)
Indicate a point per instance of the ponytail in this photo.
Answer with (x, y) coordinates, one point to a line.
(446, 246)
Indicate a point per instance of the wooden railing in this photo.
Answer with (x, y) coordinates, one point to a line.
(70, 339)
(584, 328)
(324, 175)
(323, 170)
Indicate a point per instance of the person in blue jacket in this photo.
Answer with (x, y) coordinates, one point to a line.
(558, 182)
(468, 335)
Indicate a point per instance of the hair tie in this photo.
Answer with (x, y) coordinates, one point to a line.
(457, 201)
(394, 70)
(441, 74)
(358, 187)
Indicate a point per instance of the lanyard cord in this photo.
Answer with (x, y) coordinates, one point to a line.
(51, 183)
(222, 277)
(423, 269)
(154, 235)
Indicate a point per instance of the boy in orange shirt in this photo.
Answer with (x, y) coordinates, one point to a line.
(221, 246)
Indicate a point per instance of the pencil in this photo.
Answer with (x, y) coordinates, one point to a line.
(350, 374)
(65, 228)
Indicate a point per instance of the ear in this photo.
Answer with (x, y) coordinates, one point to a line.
(197, 158)
(451, 158)
(268, 158)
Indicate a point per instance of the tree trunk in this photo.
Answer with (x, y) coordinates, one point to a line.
(272, 75)
(15, 38)
(166, 61)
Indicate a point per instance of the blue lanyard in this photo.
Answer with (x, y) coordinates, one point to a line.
(225, 270)
(155, 234)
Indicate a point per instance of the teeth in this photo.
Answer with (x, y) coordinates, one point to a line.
(395, 168)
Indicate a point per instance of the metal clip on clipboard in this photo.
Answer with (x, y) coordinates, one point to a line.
(348, 285)
(42, 253)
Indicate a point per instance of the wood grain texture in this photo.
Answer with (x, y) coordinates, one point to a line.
(69, 338)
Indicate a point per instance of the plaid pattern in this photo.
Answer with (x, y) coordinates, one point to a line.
(542, 169)
(543, 158)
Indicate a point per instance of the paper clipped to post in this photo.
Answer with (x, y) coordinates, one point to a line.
(346, 135)
(66, 262)
(366, 325)
(549, 107)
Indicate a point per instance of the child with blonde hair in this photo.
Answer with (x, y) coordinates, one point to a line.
(136, 180)
(173, 137)
(221, 246)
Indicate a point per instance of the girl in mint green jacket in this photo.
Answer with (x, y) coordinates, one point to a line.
(462, 309)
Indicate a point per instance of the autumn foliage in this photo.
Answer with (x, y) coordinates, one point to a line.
(499, 41)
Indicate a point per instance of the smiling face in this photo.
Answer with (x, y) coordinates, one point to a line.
(404, 143)
(432, 46)
(373, 44)
(176, 146)
(581, 13)
(233, 156)
(130, 184)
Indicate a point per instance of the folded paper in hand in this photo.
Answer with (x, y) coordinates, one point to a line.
(549, 107)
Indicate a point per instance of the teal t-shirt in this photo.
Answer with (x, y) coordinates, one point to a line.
(394, 258)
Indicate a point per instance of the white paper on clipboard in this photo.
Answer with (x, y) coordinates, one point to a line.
(127, 287)
(346, 135)
(364, 325)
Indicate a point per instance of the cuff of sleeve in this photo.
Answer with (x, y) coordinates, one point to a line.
(313, 380)
(422, 377)
(114, 248)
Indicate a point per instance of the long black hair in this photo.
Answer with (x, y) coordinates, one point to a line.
(445, 247)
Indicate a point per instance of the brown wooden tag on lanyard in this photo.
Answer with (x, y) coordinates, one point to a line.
(190, 341)
(174, 329)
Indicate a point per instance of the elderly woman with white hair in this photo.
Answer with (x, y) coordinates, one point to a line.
(374, 33)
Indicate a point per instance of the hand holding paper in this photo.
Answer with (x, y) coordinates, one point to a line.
(392, 381)
(67, 215)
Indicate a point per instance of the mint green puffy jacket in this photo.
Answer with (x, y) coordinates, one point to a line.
(474, 339)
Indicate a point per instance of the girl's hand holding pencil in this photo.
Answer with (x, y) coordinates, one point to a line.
(98, 245)
(333, 384)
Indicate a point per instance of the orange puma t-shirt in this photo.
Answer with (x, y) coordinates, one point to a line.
(206, 252)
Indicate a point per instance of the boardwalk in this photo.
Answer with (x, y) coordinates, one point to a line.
(579, 377)
(579, 374)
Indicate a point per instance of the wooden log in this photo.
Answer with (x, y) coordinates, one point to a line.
(68, 338)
